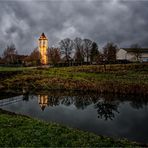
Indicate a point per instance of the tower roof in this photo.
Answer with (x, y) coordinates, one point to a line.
(42, 36)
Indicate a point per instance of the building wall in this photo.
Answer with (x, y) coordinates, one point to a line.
(121, 54)
(124, 55)
(144, 57)
(43, 46)
(131, 57)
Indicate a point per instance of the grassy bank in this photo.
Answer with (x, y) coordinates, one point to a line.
(17, 130)
(9, 69)
(122, 79)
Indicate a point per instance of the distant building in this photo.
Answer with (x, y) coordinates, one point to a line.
(43, 47)
(14, 59)
(130, 54)
(65, 59)
(2, 62)
(21, 58)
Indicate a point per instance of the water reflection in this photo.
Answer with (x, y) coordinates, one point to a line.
(43, 101)
(26, 97)
(106, 110)
(106, 106)
(106, 114)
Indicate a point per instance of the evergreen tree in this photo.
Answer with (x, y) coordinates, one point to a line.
(94, 52)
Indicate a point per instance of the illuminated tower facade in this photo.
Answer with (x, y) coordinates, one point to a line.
(43, 46)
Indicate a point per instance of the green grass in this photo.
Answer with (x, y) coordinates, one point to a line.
(22, 131)
(9, 69)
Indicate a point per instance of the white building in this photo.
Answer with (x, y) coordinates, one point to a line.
(130, 54)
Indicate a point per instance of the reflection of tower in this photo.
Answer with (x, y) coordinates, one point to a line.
(43, 46)
(43, 101)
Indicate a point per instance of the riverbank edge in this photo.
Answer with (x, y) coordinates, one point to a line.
(76, 85)
(115, 79)
(21, 126)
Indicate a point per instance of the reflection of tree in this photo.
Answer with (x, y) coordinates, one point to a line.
(26, 97)
(66, 100)
(53, 100)
(138, 102)
(106, 105)
(106, 110)
(81, 102)
(135, 101)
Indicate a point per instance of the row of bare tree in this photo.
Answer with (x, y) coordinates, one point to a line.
(78, 50)
(82, 51)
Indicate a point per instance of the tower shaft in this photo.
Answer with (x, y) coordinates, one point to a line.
(43, 47)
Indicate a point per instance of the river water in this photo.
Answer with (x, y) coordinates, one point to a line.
(108, 115)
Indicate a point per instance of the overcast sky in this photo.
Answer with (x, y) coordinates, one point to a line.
(121, 21)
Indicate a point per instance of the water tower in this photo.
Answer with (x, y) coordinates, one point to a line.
(43, 47)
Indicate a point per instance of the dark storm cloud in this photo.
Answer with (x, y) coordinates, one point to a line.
(123, 22)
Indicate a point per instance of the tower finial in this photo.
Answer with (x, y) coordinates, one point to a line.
(43, 35)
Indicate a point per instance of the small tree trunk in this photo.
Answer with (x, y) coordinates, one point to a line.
(104, 67)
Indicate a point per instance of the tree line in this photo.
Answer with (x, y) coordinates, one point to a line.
(78, 51)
